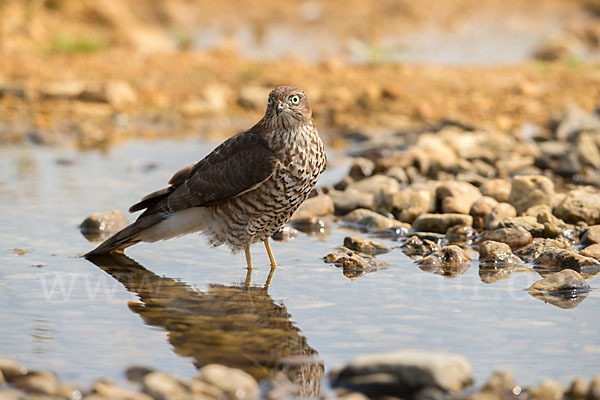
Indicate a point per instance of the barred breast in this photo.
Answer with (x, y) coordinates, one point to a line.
(257, 214)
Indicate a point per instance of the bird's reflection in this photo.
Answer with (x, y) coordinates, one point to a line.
(237, 325)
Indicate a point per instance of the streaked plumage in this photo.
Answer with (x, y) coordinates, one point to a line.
(244, 190)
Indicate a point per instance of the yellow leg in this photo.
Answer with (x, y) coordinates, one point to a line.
(270, 253)
(249, 263)
(273, 263)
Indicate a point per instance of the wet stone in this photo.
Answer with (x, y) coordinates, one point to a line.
(481, 209)
(552, 226)
(514, 237)
(462, 234)
(530, 224)
(353, 265)
(285, 234)
(496, 253)
(235, 383)
(499, 212)
(592, 251)
(38, 382)
(137, 373)
(580, 205)
(579, 389)
(566, 280)
(534, 249)
(392, 233)
(310, 224)
(404, 373)
(440, 222)
(364, 245)
(559, 259)
(99, 225)
(416, 246)
(592, 235)
(528, 191)
(368, 220)
(450, 261)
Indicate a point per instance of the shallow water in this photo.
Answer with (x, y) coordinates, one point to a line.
(181, 304)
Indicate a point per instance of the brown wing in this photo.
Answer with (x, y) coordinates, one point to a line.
(239, 164)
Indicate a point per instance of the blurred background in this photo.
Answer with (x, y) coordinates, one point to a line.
(89, 73)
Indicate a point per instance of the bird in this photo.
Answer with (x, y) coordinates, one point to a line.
(243, 191)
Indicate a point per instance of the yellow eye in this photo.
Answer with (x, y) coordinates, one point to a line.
(269, 101)
(295, 99)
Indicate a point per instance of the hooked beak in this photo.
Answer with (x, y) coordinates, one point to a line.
(279, 108)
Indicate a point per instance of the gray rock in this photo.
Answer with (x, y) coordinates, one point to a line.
(164, 386)
(514, 237)
(235, 383)
(364, 245)
(559, 259)
(592, 235)
(361, 168)
(565, 280)
(369, 220)
(350, 200)
(496, 253)
(456, 197)
(580, 205)
(318, 206)
(528, 191)
(530, 224)
(440, 222)
(592, 251)
(404, 373)
(99, 225)
(498, 189)
(480, 209)
(498, 213)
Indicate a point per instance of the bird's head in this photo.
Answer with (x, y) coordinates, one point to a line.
(287, 107)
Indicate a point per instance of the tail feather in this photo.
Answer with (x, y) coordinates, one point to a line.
(126, 237)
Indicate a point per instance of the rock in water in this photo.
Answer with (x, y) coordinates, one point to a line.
(566, 280)
(100, 225)
(404, 373)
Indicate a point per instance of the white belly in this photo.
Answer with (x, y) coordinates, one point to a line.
(177, 224)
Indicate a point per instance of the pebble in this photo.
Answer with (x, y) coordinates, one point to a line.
(361, 168)
(548, 390)
(353, 265)
(103, 224)
(368, 220)
(310, 225)
(560, 259)
(235, 383)
(38, 382)
(440, 222)
(530, 224)
(592, 235)
(408, 205)
(496, 253)
(594, 391)
(592, 251)
(562, 281)
(285, 234)
(404, 373)
(456, 197)
(480, 209)
(580, 205)
(461, 234)
(500, 382)
(318, 206)
(364, 245)
(350, 200)
(499, 212)
(514, 237)
(164, 386)
(11, 370)
(108, 389)
(450, 261)
(416, 246)
(528, 191)
(578, 390)
(537, 247)
(498, 189)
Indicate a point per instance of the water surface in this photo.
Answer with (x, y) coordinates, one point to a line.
(180, 304)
